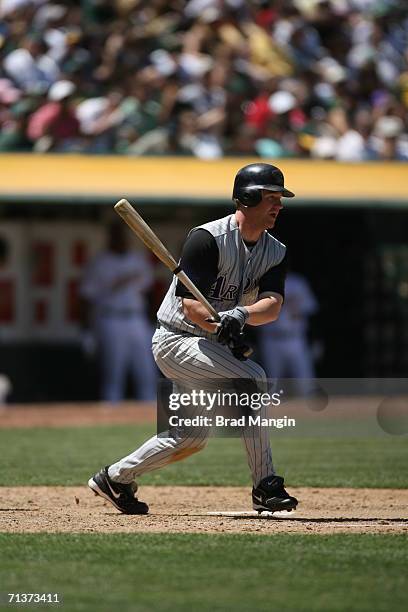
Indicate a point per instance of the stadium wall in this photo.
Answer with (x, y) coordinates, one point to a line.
(350, 244)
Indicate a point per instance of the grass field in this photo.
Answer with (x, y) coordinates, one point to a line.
(209, 572)
(200, 572)
(69, 455)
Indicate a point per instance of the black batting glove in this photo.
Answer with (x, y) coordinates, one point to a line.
(240, 349)
(231, 325)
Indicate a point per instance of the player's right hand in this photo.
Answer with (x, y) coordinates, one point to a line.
(231, 325)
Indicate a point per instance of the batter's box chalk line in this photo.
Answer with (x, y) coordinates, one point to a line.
(251, 514)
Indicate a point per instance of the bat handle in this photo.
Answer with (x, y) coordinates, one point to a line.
(182, 276)
(242, 351)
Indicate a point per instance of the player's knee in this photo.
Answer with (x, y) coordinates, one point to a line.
(258, 381)
(199, 445)
(187, 451)
(258, 375)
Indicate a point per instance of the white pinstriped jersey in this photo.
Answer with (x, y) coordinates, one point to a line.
(185, 358)
(239, 271)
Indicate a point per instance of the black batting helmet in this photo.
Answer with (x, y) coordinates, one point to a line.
(250, 181)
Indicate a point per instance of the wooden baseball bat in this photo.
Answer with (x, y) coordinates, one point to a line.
(146, 235)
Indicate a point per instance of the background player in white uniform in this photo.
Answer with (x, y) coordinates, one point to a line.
(240, 268)
(114, 286)
(284, 343)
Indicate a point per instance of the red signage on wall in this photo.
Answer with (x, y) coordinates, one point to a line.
(79, 253)
(72, 301)
(7, 301)
(43, 264)
(41, 311)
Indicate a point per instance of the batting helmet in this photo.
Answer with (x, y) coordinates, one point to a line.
(250, 181)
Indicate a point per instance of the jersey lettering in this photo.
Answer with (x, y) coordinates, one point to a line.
(216, 289)
(230, 293)
(250, 285)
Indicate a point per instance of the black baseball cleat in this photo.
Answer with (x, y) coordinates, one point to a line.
(270, 496)
(122, 496)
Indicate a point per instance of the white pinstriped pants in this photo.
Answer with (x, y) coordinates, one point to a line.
(180, 356)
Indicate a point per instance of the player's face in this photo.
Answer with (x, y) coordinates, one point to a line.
(269, 207)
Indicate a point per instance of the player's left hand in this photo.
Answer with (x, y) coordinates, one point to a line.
(240, 349)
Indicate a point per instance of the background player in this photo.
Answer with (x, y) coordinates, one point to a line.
(284, 343)
(240, 268)
(113, 289)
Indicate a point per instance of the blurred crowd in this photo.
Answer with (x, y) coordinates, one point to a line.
(324, 79)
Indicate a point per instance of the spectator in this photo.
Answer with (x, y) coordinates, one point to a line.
(13, 137)
(299, 74)
(30, 67)
(54, 126)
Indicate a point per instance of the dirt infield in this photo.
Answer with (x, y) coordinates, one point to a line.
(82, 414)
(77, 415)
(184, 509)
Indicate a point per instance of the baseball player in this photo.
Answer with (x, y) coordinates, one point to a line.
(113, 288)
(284, 344)
(240, 269)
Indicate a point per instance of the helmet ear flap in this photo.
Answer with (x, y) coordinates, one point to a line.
(249, 196)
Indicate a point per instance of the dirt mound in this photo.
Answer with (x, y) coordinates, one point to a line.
(184, 509)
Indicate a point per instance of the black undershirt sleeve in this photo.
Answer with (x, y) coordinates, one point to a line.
(274, 279)
(199, 260)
